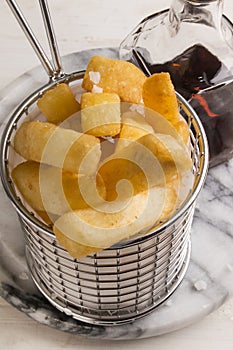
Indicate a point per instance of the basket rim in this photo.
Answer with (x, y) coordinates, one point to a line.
(29, 217)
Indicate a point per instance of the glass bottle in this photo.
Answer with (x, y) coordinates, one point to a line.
(193, 41)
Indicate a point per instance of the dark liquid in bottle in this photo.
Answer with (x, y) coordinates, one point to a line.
(193, 71)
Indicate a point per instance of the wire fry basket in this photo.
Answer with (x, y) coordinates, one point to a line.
(123, 282)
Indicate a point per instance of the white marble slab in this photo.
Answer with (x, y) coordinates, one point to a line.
(208, 281)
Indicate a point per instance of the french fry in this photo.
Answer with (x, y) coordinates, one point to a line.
(133, 127)
(112, 171)
(136, 166)
(161, 125)
(76, 250)
(58, 104)
(169, 152)
(55, 191)
(152, 160)
(171, 198)
(45, 217)
(150, 152)
(26, 178)
(140, 182)
(70, 227)
(89, 230)
(63, 148)
(97, 229)
(159, 95)
(111, 75)
(100, 114)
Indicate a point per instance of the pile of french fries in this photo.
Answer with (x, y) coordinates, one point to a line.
(117, 176)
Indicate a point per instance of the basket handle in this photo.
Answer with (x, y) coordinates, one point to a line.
(54, 68)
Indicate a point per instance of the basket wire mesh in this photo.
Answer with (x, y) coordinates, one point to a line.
(123, 282)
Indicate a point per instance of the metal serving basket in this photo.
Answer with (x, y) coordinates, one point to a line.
(123, 282)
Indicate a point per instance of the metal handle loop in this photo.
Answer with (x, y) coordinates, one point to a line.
(53, 69)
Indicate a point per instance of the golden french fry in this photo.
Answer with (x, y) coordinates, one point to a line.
(70, 227)
(161, 125)
(133, 127)
(135, 164)
(111, 75)
(100, 114)
(26, 178)
(113, 170)
(171, 198)
(169, 152)
(87, 231)
(152, 160)
(76, 250)
(96, 228)
(171, 188)
(58, 104)
(45, 217)
(49, 189)
(159, 95)
(63, 148)
(183, 130)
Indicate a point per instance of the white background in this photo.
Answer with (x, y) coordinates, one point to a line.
(79, 25)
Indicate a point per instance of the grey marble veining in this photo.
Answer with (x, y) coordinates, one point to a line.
(208, 281)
